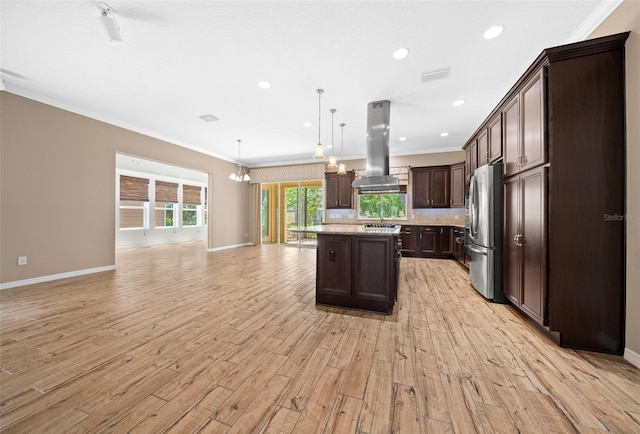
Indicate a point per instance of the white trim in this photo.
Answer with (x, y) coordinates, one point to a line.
(233, 246)
(632, 357)
(49, 278)
(595, 18)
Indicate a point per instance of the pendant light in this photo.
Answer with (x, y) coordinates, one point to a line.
(241, 174)
(333, 161)
(342, 170)
(319, 148)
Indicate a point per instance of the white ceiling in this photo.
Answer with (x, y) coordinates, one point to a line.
(183, 59)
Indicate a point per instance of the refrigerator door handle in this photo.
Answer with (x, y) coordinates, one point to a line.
(476, 250)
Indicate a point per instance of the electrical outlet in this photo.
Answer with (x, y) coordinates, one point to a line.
(22, 260)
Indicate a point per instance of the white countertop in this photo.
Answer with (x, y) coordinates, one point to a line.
(347, 230)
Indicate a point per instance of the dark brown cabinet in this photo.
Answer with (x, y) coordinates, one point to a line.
(426, 241)
(457, 246)
(483, 148)
(339, 193)
(494, 152)
(358, 272)
(524, 124)
(563, 148)
(431, 187)
(471, 159)
(457, 186)
(524, 264)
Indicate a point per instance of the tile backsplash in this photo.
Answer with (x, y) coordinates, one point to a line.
(441, 216)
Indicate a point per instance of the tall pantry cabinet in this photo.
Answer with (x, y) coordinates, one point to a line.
(563, 133)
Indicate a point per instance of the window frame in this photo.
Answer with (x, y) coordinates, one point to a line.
(381, 195)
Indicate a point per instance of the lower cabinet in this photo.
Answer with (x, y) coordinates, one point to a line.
(426, 241)
(358, 272)
(457, 246)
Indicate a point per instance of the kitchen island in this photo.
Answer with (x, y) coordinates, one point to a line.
(357, 267)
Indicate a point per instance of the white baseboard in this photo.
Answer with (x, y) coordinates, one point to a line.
(632, 357)
(233, 246)
(25, 282)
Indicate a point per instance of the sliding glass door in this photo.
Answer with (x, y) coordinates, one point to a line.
(269, 213)
(301, 205)
(290, 205)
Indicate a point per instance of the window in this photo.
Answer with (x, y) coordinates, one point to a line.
(166, 203)
(189, 215)
(389, 206)
(190, 205)
(164, 214)
(205, 210)
(134, 202)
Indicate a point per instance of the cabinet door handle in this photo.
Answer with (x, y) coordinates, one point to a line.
(515, 239)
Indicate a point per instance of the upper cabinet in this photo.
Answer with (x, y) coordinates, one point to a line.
(339, 193)
(471, 159)
(524, 115)
(431, 187)
(494, 129)
(486, 146)
(457, 185)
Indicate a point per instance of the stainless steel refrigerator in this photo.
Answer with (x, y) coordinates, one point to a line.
(484, 231)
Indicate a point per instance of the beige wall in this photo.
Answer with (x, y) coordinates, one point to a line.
(57, 189)
(435, 159)
(626, 17)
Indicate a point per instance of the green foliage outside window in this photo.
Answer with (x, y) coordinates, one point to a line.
(390, 206)
(310, 204)
(189, 215)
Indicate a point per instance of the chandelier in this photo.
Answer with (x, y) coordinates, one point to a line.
(240, 174)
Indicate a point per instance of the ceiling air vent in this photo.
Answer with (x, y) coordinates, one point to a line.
(437, 74)
(208, 118)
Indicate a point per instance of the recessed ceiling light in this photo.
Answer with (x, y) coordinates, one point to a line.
(402, 139)
(208, 118)
(264, 84)
(444, 134)
(306, 124)
(401, 53)
(459, 102)
(493, 32)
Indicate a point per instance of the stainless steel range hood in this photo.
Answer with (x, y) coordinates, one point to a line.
(378, 179)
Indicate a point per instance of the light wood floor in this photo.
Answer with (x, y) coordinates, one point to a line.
(180, 340)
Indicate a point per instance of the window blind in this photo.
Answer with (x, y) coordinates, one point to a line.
(166, 192)
(191, 194)
(132, 188)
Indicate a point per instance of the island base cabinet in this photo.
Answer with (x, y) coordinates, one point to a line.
(357, 272)
(334, 265)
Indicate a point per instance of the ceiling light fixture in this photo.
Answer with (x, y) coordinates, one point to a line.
(319, 148)
(493, 32)
(458, 102)
(333, 161)
(264, 84)
(342, 170)
(401, 53)
(240, 174)
(306, 124)
(110, 23)
(444, 134)
(403, 139)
